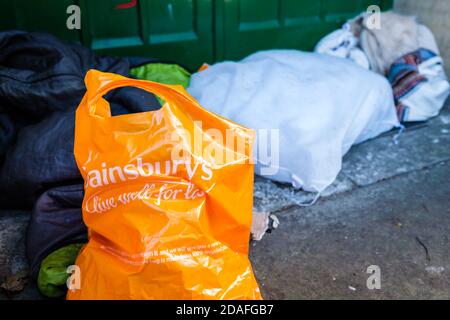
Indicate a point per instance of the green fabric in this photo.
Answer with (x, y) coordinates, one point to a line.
(162, 73)
(52, 274)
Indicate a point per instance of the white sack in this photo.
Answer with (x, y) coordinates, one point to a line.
(428, 98)
(321, 105)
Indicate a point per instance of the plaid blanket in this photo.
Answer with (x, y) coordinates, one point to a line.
(405, 77)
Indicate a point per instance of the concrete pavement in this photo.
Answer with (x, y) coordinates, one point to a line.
(401, 225)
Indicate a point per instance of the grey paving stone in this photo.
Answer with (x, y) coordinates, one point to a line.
(380, 158)
(13, 226)
(321, 251)
(271, 197)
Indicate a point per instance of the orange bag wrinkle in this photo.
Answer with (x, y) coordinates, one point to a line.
(168, 198)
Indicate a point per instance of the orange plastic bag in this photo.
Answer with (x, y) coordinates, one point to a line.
(168, 204)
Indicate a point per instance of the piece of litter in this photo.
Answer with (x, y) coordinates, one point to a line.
(436, 271)
(260, 224)
(14, 283)
(352, 288)
(275, 221)
(263, 222)
(445, 120)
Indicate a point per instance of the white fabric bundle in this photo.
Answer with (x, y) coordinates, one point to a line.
(321, 105)
(343, 44)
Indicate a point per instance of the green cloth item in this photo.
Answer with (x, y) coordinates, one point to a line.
(52, 274)
(162, 73)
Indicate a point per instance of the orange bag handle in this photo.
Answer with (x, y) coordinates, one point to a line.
(100, 83)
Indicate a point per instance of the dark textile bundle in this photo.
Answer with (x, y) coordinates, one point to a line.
(41, 85)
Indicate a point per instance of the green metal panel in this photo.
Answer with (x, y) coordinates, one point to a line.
(173, 30)
(246, 26)
(189, 32)
(37, 15)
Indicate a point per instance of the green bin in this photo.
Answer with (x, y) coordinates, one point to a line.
(189, 32)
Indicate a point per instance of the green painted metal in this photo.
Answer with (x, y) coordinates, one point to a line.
(189, 32)
(173, 30)
(246, 26)
(37, 15)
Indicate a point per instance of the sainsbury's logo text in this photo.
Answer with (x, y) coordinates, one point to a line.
(131, 171)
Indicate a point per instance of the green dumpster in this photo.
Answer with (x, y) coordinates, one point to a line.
(189, 32)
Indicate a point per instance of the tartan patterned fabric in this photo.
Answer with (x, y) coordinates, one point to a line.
(405, 77)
